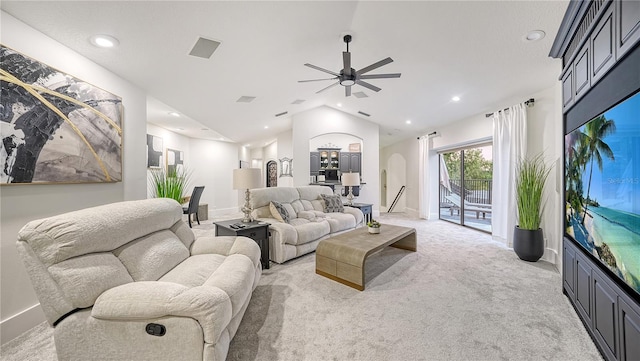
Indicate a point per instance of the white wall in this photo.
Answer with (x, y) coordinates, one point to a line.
(19, 309)
(324, 120)
(213, 163)
(544, 134)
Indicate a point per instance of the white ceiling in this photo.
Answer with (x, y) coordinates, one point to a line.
(472, 49)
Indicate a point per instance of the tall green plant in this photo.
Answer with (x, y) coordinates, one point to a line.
(170, 184)
(531, 174)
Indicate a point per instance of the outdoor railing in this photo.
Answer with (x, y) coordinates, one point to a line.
(475, 190)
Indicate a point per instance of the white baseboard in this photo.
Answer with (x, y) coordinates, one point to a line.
(20, 323)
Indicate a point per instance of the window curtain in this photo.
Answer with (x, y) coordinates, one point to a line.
(423, 190)
(509, 146)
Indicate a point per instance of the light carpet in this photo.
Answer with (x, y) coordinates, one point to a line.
(462, 296)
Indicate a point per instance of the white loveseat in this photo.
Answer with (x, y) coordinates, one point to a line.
(309, 224)
(129, 281)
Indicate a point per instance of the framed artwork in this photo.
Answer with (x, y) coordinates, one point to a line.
(154, 151)
(175, 161)
(286, 165)
(56, 128)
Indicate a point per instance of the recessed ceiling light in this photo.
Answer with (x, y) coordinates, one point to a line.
(408, 122)
(534, 35)
(104, 41)
(339, 105)
(456, 99)
(180, 128)
(266, 127)
(174, 114)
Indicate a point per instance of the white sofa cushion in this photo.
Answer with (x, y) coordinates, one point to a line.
(339, 222)
(150, 257)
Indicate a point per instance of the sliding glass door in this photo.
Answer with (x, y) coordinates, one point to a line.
(465, 187)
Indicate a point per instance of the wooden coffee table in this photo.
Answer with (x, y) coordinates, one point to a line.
(342, 258)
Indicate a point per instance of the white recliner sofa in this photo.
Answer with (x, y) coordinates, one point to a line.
(309, 224)
(129, 281)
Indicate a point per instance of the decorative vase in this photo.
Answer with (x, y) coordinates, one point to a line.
(528, 244)
(374, 230)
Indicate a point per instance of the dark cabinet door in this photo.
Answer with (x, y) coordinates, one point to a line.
(629, 332)
(605, 315)
(567, 89)
(583, 288)
(627, 25)
(568, 270)
(354, 161)
(344, 162)
(314, 163)
(602, 47)
(581, 73)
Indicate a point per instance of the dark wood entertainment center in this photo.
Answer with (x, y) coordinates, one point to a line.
(598, 42)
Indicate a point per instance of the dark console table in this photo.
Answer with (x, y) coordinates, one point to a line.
(365, 208)
(258, 231)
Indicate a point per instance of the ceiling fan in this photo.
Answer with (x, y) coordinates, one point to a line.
(348, 76)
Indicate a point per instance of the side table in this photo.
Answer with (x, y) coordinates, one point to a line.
(365, 208)
(258, 231)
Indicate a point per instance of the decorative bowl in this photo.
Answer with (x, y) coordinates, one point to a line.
(374, 230)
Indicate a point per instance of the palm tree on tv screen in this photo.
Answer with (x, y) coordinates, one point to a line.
(595, 131)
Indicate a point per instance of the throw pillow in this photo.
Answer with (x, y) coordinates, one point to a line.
(332, 203)
(279, 212)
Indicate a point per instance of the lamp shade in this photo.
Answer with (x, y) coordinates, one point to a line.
(246, 178)
(350, 179)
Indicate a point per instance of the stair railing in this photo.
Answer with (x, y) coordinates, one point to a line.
(396, 199)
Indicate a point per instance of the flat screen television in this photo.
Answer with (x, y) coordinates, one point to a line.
(602, 189)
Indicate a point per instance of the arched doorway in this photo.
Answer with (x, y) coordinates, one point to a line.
(272, 173)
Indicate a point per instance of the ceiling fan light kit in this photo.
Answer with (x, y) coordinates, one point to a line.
(348, 76)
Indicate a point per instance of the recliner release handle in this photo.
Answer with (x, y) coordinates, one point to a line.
(155, 329)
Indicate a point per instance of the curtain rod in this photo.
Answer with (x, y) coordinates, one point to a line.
(529, 103)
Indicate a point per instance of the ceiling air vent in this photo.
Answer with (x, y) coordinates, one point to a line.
(360, 95)
(280, 114)
(298, 101)
(204, 48)
(245, 99)
(365, 114)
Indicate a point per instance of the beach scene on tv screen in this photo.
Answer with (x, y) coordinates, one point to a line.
(602, 188)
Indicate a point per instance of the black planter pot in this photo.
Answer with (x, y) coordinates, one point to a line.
(528, 244)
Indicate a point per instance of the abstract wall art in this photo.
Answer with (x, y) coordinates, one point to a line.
(175, 161)
(56, 128)
(154, 151)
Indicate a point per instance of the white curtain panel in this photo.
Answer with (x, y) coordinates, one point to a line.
(509, 146)
(423, 190)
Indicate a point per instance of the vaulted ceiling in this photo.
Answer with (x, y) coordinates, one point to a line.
(471, 49)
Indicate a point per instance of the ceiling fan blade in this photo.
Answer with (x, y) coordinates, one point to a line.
(374, 66)
(380, 76)
(346, 59)
(367, 85)
(347, 90)
(330, 86)
(321, 69)
(306, 81)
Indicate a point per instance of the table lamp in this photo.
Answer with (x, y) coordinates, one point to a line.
(350, 180)
(246, 178)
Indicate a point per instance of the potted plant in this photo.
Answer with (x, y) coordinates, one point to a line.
(373, 226)
(531, 175)
(169, 184)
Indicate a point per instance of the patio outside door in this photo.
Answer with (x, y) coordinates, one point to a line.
(465, 187)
